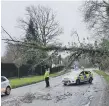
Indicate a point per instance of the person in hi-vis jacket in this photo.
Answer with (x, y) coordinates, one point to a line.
(46, 76)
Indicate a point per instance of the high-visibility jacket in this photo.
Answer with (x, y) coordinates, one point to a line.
(46, 74)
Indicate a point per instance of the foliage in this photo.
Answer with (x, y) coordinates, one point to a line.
(41, 28)
(96, 16)
(104, 59)
(13, 51)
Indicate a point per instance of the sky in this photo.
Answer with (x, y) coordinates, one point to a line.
(68, 14)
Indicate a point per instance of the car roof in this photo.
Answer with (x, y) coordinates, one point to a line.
(76, 72)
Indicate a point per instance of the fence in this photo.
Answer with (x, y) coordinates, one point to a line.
(10, 70)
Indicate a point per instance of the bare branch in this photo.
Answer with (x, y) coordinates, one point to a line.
(7, 33)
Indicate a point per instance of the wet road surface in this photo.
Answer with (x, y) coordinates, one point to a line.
(74, 95)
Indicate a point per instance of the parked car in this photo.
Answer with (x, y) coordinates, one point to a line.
(76, 77)
(5, 86)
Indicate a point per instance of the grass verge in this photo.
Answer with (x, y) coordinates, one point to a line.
(106, 76)
(16, 82)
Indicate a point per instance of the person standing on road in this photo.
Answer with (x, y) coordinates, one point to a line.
(46, 76)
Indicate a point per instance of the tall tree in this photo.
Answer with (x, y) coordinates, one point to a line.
(30, 33)
(96, 16)
(41, 28)
(13, 51)
(41, 24)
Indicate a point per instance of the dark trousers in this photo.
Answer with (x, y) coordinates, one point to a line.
(47, 81)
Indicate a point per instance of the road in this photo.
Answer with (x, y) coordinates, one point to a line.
(59, 95)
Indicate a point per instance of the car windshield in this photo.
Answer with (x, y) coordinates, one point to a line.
(74, 73)
(3, 79)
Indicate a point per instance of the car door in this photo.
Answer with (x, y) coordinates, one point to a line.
(3, 84)
(81, 76)
(87, 76)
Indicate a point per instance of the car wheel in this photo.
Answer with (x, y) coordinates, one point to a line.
(90, 80)
(8, 90)
(77, 81)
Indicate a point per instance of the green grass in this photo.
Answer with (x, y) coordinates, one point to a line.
(106, 77)
(16, 82)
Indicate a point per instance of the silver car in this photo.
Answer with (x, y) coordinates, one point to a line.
(5, 86)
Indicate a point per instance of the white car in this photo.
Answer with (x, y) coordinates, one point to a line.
(76, 77)
(5, 86)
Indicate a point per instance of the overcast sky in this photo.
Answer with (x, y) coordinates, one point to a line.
(68, 15)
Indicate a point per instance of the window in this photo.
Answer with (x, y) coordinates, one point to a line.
(3, 79)
(82, 73)
(86, 72)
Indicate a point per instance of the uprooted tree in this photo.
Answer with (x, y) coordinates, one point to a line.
(75, 52)
(40, 29)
